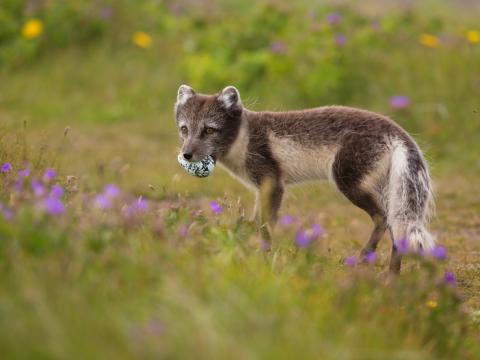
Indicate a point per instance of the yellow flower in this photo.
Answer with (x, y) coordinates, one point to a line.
(473, 36)
(429, 40)
(142, 39)
(431, 304)
(32, 28)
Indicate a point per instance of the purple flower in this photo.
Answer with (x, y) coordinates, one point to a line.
(18, 185)
(111, 191)
(402, 246)
(137, 207)
(449, 278)
(22, 174)
(6, 212)
(351, 261)
(317, 231)
(399, 102)
(333, 18)
(6, 168)
(183, 231)
(56, 191)
(216, 208)
(371, 257)
(49, 174)
(340, 39)
(439, 253)
(53, 206)
(302, 239)
(305, 237)
(287, 220)
(106, 12)
(154, 327)
(101, 202)
(38, 188)
(278, 47)
(141, 205)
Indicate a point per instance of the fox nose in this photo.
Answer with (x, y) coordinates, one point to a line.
(187, 156)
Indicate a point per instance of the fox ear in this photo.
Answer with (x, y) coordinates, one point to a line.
(185, 92)
(230, 98)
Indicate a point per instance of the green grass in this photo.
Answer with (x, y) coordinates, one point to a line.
(92, 284)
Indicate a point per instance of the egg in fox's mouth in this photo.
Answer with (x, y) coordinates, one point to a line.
(201, 168)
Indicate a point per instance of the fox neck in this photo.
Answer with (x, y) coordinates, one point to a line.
(234, 159)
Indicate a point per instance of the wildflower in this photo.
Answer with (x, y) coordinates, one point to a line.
(141, 205)
(142, 39)
(473, 36)
(399, 102)
(53, 206)
(137, 207)
(23, 173)
(278, 47)
(111, 191)
(402, 246)
(431, 304)
(449, 278)
(340, 39)
(371, 257)
(375, 24)
(317, 231)
(6, 212)
(154, 327)
(216, 208)
(439, 253)
(49, 174)
(302, 239)
(6, 168)
(106, 12)
(102, 202)
(38, 188)
(428, 40)
(351, 261)
(18, 185)
(305, 237)
(183, 231)
(287, 220)
(333, 18)
(56, 191)
(32, 28)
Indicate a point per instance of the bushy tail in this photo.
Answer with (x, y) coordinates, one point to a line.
(409, 197)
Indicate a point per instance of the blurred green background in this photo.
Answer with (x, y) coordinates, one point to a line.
(107, 72)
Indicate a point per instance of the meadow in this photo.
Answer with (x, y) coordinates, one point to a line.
(108, 249)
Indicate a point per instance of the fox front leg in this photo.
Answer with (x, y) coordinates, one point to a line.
(267, 204)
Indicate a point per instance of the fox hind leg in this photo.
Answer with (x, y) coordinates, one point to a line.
(377, 233)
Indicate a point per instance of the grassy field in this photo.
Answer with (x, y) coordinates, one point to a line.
(147, 268)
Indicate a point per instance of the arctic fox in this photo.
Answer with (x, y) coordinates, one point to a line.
(368, 157)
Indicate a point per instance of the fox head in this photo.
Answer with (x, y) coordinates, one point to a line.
(207, 124)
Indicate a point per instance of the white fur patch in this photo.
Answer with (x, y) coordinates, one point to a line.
(404, 223)
(300, 163)
(234, 161)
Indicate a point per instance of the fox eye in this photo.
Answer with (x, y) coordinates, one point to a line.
(209, 130)
(184, 130)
